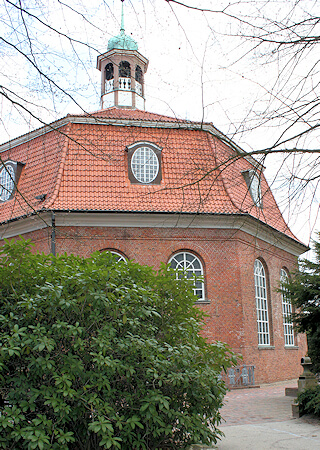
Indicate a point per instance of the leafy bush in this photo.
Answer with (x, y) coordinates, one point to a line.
(98, 353)
(309, 401)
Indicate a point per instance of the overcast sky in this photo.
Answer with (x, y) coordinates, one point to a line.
(200, 68)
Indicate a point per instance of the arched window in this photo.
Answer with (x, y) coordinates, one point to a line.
(286, 312)
(191, 267)
(109, 86)
(109, 71)
(124, 69)
(138, 78)
(261, 303)
(138, 75)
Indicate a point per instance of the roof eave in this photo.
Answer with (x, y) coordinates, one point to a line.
(254, 226)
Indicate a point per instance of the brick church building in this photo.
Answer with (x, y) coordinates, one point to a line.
(154, 189)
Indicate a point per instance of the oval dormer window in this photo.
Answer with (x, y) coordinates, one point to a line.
(144, 163)
(253, 182)
(7, 176)
(255, 189)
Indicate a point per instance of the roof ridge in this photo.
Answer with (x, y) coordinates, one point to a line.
(124, 111)
(61, 168)
(218, 168)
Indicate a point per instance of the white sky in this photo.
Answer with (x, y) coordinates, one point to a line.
(198, 68)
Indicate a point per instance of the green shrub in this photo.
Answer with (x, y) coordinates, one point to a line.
(96, 353)
(309, 401)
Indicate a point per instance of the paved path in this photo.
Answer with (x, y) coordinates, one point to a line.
(265, 404)
(261, 419)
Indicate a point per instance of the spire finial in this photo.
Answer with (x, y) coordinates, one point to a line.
(122, 19)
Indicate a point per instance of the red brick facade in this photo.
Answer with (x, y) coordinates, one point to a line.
(228, 259)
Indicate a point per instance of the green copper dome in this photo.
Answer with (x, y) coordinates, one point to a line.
(122, 42)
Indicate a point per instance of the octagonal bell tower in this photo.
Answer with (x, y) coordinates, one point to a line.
(122, 70)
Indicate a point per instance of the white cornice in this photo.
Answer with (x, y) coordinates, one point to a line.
(117, 51)
(92, 120)
(25, 225)
(245, 223)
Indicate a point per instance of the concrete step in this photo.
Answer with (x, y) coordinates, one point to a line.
(291, 392)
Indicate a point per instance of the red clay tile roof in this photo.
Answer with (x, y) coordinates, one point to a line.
(82, 166)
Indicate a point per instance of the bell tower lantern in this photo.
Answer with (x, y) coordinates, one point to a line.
(122, 70)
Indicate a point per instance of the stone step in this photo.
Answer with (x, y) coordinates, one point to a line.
(291, 392)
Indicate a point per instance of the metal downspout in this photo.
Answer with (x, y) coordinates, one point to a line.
(53, 233)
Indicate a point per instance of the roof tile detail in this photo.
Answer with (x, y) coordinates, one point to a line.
(84, 167)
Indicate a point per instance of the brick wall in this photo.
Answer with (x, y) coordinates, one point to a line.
(228, 258)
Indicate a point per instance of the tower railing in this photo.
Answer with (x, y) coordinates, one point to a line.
(124, 84)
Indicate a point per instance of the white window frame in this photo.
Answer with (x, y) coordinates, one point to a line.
(191, 266)
(261, 295)
(288, 331)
